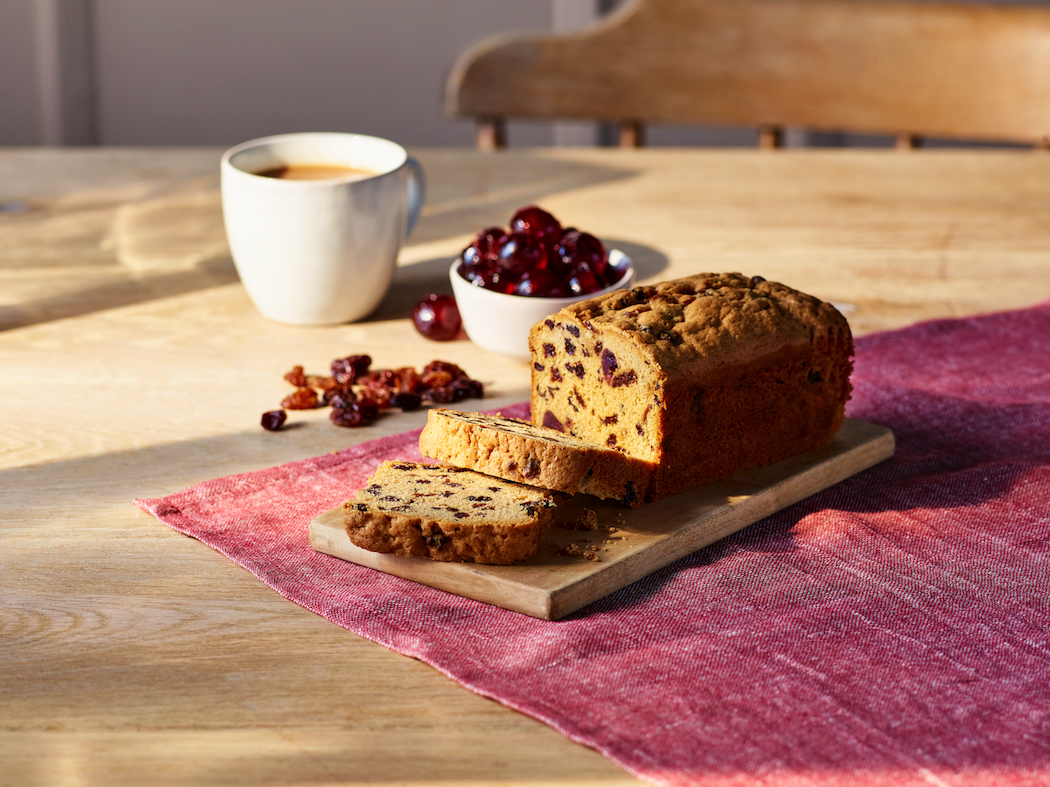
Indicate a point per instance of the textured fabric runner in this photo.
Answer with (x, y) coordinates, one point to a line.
(893, 629)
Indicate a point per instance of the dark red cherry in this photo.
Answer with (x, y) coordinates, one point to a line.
(538, 223)
(542, 283)
(482, 252)
(437, 317)
(581, 248)
(498, 281)
(521, 253)
(488, 241)
(584, 281)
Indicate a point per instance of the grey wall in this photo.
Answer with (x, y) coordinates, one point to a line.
(218, 71)
(215, 72)
(19, 123)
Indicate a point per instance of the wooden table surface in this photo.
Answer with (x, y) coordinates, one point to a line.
(134, 365)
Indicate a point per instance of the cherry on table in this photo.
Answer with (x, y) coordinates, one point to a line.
(437, 317)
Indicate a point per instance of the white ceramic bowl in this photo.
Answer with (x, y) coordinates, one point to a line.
(501, 322)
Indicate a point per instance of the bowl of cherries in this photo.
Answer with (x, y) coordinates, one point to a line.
(507, 280)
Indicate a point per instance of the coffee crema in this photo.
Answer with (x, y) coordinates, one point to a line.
(315, 172)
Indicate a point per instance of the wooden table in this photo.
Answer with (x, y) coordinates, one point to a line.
(134, 365)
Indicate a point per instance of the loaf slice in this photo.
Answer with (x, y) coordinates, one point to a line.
(448, 513)
(703, 377)
(525, 453)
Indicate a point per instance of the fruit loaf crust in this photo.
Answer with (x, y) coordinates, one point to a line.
(448, 514)
(703, 376)
(530, 454)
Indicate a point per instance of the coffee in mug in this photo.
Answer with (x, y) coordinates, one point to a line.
(318, 250)
(315, 172)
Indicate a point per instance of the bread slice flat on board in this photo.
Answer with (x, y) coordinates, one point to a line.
(448, 513)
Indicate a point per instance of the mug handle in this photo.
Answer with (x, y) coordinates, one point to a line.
(417, 189)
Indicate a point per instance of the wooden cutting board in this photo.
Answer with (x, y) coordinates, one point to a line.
(575, 567)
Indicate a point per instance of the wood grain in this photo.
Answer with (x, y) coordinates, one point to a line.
(953, 70)
(131, 655)
(626, 545)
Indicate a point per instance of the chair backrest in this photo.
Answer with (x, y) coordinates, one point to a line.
(951, 70)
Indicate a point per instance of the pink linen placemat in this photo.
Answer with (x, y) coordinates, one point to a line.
(891, 630)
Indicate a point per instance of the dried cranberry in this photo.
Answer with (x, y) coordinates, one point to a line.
(296, 377)
(380, 379)
(274, 420)
(444, 366)
(369, 407)
(350, 417)
(437, 317)
(359, 413)
(300, 399)
(322, 384)
(474, 388)
(380, 388)
(436, 379)
(406, 400)
(347, 370)
(340, 398)
(538, 223)
(408, 380)
(443, 394)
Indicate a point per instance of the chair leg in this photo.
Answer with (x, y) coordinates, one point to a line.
(491, 134)
(770, 137)
(632, 134)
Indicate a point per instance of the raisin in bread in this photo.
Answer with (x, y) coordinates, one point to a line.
(704, 376)
(530, 454)
(447, 513)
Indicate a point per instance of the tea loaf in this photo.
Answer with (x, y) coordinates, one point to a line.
(447, 513)
(530, 454)
(703, 377)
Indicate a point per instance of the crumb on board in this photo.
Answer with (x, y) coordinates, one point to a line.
(574, 549)
(585, 519)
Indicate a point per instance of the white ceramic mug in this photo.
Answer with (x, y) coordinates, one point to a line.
(319, 252)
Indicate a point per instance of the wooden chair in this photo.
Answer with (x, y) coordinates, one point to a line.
(905, 69)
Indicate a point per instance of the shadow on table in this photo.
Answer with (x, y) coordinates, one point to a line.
(104, 247)
(118, 288)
